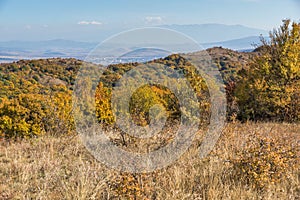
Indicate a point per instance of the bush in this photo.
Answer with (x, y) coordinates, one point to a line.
(264, 162)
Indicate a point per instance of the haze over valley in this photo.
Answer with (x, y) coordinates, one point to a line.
(236, 37)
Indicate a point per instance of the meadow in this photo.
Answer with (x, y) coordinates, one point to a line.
(250, 161)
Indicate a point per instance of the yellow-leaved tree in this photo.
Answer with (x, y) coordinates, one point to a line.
(270, 88)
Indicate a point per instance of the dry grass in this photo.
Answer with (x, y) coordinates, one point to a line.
(61, 168)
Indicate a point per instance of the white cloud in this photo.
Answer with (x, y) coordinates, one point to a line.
(28, 27)
(89, 23)
(153, 20)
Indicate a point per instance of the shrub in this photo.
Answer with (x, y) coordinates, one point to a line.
(264, 162)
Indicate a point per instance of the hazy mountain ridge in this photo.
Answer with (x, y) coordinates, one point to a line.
(235, 37)
(213, 33)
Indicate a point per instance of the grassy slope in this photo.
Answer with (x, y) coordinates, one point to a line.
(61, 168)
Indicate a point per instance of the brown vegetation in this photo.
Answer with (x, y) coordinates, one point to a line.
(61, 168)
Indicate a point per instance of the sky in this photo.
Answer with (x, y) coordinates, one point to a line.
(78, 20)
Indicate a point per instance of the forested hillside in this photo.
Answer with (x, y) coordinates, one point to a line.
(36, 94)
(264, 85)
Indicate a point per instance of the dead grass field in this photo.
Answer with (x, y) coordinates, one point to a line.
(61, 168)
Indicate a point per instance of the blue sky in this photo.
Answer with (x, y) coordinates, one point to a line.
(70, 19)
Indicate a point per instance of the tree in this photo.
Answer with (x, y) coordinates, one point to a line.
(270, 87)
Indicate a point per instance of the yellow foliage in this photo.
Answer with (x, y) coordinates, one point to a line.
(269, 89)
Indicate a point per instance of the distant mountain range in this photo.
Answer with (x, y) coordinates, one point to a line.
(212, 33)
(241, 44)
(16, 50)
(235, 37)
